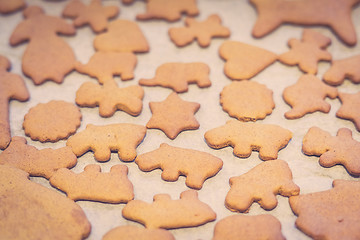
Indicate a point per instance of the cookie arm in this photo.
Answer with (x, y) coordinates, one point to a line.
(21, 33)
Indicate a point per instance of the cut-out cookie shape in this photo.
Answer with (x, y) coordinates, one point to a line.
(92, 184)
(7, 6)
(247, 100)
(93, 14)
(38, 163)
(268, 139)
(334, 14)
(47, 56)
(244, 227)
(340, 70)
(166, 213)
(169, 10)
(307, 52)
(308, 96)
(12, 87)
(104, 65)
(109, 97)
(122, 36)
(174, 161)
(244, 61)
(133, 232)
(52, 121)
(350, 108)
(102, 140)
(177, 76)
(31, 211)
(201, 31)
(261, 184)
(342, 149)
(168, 117)
(332, 214)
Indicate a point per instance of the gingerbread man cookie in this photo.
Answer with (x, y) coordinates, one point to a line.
(261, 184)
(12, 86)
(92, 184)
(348, 110)
(133, 232)
(340, 70)
(201, 31)
(166, 213)
(268, 139)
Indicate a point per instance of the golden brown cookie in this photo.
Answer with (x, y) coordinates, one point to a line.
(308, 96)
(104, 65)
(52, 121)
(267, 139)
(261, 184)
(335, 14)
(110, 98)
(245, 227)
(177, 76)
(169, 10)
(31, 211)
(12, 86)
(102, 140)
(7, 6)
(173, 115)
(349, 108)
(342, 149)
(340, 70)
(196, 166)
(244, 61)
(93, 14)
(133, 232)
(331, 214)
(247, 100)
(307, 52)
(122, 36)
(166, 213)
(47, 56)
(38, 163)
(93, 185)
(201, 31)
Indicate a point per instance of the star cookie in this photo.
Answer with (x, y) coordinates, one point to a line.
(349, 108)
(173, 115)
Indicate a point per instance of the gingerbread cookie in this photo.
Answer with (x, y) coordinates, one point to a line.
(201, 31)
(331, 214)
(93, 14)
(244, 227)
(166, 213)
(38, 163)
(47, 56)
(132, 232)
(177, 76)
(104, 65)
(307, 52)
(7, 6)
(342, 149)
(31, 211)
(348, 110)
(52, 121)
(12, 86)
(244, 61)
(169, 10)
(268, 139)
(122, 36)
(247, 100)
(102, 140)
(340, 70)
(93, 185)
(308, 96)
(167, 117)
(174, 161)
(109, 97)
(334, 14)
(261, 184)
